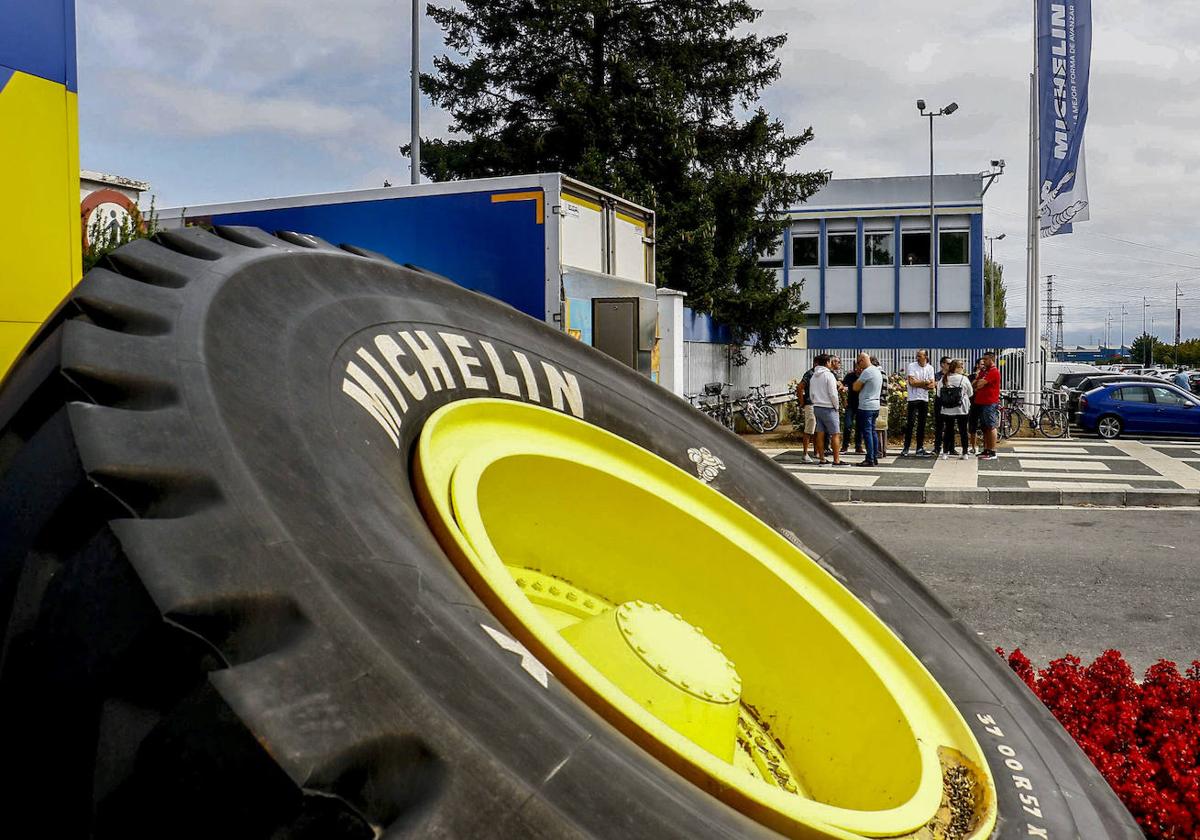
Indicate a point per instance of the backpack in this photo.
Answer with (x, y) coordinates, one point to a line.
(950, 396)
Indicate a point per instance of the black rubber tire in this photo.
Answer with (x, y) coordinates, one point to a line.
(223, 615)
(1114, 422)
(1011, 423)
(772, 418)
(752, 420)
(1053, 423)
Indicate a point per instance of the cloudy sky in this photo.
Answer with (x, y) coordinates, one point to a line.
(231, 99)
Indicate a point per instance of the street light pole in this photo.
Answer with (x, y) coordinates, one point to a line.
(1177, 319)
(415, 152)
(933, 243)
(1145, 334)
(1123, 314)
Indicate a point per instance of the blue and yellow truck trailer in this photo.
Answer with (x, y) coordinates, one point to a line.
(39, 150)
(566, 253)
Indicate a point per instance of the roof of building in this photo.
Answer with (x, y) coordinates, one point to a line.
(906, 191)
(114, 180)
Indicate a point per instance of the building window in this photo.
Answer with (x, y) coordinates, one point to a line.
(842, 319)
(771, 262)
(842, 248)
(914, 248)
(879, 319)
(804, 251)
(956, 249)
(879, 249)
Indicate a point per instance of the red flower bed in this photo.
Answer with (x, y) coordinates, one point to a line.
(1144, 738)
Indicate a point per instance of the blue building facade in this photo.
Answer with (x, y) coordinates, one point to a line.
(861, 249)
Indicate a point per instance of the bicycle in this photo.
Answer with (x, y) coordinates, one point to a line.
(720, 411)
(760, 415)
(1048, 417)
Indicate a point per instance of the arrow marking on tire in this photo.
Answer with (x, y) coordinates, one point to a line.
(529, 662)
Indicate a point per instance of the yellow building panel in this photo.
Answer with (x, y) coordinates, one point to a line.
(39, 221)
(13, 336)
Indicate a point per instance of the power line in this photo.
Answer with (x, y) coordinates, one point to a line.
(1110, 238)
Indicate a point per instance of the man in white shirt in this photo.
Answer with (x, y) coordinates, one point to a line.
(920, 380)
(823, 394)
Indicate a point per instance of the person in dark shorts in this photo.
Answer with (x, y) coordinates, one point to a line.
(825, 398)
(987, 397)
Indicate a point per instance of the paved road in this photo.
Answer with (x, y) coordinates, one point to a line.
(1057, 580)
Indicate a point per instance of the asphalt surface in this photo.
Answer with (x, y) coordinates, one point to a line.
(1054, 581)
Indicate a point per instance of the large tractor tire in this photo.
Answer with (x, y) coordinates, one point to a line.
(260, 499)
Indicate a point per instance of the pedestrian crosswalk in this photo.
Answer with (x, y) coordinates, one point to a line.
(1034, 463)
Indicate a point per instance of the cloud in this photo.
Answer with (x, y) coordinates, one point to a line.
(169, 108)
(324, 85)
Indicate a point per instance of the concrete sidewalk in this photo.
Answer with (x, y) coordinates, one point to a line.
(1077, 471)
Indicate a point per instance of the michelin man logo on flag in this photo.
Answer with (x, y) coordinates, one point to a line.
(1064, 62)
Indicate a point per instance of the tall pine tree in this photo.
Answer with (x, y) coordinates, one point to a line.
(654, 100)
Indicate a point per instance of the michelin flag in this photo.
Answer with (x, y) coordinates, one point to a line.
(1064, 62)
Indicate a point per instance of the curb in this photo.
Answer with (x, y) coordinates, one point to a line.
(1004, 496)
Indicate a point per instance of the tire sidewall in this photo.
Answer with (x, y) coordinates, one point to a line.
(337, 488)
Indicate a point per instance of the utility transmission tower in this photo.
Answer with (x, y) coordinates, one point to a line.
(1048, 333)
(1058, 336)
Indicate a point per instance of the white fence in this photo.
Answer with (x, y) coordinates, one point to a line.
(704, 362)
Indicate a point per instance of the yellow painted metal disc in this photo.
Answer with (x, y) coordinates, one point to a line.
(838, 732)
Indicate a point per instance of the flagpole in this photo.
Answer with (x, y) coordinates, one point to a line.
(1033, 354)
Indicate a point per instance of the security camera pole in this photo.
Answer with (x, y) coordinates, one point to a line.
(933, 243)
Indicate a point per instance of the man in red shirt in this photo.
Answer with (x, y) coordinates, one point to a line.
(987, 397)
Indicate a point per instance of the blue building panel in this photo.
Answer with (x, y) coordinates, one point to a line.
(506, 257)
(896, 299)
(38, 38)
(822, 263)
(977, 260)
(700, 327)
(860, 258)
(908, 338)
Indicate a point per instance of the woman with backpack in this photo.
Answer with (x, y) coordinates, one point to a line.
(954, 401)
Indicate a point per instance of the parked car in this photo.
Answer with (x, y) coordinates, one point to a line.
(1071, 380)
(1057, 369)
(1194, 382)
(1082, 383)
(1139, 408)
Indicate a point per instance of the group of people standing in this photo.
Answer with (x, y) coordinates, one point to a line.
(968, 405)
(820, 396)
(963, 404)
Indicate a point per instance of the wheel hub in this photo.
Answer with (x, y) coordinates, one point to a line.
(669, 667)
(606, 561)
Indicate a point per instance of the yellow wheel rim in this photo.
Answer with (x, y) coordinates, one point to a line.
(698, 631)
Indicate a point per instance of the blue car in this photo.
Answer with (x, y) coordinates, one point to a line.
(1138, 408)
